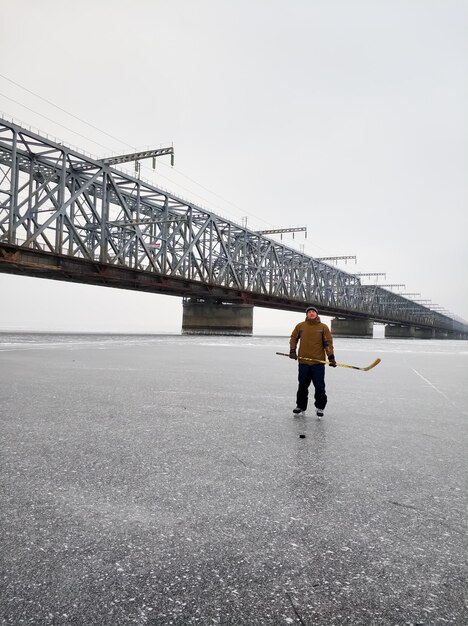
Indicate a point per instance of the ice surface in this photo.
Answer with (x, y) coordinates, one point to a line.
(163, 480)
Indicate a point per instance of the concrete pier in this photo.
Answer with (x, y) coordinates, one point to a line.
(214, 317)
(424, 333)
(352, 328)
(395, 331)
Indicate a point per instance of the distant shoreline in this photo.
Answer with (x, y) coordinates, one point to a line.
(124, 333)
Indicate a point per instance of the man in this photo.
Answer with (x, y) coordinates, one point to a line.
(315, 340)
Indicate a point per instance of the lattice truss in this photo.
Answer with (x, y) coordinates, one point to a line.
(58, 200)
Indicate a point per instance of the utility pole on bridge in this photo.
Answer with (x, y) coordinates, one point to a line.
(298, 229)
(337, 258)
(372, 274)
(138, 156)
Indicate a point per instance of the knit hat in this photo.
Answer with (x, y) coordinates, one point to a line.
(311, 308)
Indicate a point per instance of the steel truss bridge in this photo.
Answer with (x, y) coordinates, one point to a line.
(67, 216)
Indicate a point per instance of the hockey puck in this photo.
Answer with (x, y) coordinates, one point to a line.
(301, 436)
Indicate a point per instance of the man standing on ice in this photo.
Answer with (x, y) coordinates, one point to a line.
(315, 341)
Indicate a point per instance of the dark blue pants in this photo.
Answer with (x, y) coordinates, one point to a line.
(311, 374)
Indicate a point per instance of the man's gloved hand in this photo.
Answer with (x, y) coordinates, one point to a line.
(292, 354)
(331, 360)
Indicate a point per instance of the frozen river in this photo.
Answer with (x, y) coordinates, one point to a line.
(163, 480)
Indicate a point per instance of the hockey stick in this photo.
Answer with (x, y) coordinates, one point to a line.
(353, 367)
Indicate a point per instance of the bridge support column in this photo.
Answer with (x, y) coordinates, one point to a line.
(424, 333)
(352, 328)
(394, 331)
(204, 316)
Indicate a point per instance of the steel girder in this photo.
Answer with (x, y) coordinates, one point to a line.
(57, 201)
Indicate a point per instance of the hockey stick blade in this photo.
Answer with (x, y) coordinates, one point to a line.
(353, 367)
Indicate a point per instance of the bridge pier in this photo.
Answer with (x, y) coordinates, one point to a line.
(395, 331)
(205, 316)
(352, 328)
(424, 333)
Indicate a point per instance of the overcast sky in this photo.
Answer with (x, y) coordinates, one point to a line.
(348, 117)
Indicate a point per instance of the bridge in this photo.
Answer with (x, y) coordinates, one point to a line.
(67, 216)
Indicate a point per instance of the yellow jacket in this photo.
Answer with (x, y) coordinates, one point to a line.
(315, 340)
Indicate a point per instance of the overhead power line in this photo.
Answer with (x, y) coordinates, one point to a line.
(76, 117)
(63, 110)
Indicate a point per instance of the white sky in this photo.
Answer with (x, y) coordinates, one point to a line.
(345, 116)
